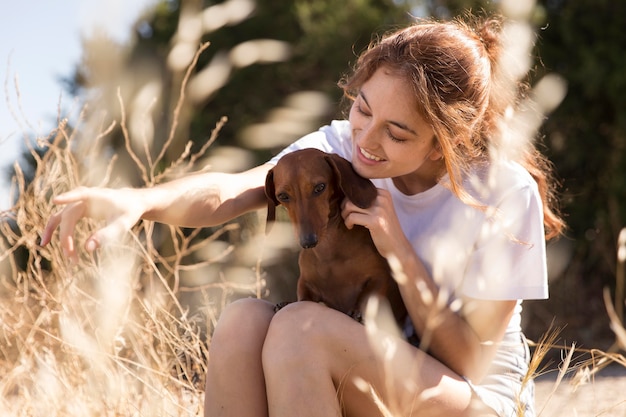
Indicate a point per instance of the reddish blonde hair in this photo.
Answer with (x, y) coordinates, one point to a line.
(452, 69)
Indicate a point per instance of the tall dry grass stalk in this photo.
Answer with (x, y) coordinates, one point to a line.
(107, 335)
(582, 365)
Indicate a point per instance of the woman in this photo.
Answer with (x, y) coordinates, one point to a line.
(467, 230)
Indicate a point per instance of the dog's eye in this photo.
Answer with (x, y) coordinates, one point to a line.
(319, 188)
(282, 197)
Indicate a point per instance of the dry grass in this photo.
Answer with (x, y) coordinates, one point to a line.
(103, 336)
(109, 334)
(580, 366)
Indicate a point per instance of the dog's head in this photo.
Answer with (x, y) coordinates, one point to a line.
(308, 183)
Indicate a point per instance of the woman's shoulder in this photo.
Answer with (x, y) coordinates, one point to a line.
(494, 180)
(332, 138)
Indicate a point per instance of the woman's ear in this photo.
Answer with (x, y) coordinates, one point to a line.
(436, 153)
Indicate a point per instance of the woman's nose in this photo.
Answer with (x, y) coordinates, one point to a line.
(367, 137)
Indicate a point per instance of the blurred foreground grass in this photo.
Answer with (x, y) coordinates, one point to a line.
(123, 332)
(103, 336)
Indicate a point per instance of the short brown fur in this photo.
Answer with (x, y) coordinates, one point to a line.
(338, 266)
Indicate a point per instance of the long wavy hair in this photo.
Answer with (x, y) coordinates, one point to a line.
(453, 69)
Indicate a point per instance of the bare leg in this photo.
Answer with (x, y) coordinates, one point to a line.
(319, 362)
(235, 384)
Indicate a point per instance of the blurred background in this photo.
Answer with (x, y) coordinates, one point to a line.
(271, 69)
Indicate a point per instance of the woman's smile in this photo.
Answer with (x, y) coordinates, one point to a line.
(369, 156)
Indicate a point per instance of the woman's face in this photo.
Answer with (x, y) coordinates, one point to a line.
(390, 139)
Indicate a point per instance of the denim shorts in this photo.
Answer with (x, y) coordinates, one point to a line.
(506, 389)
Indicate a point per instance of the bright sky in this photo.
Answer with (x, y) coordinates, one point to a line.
(40, 43)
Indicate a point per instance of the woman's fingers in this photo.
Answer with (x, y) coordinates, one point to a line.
(72, 196)
(70, 215)
(380, 219)
(110, 233)
(65, 219)
(86, 202)
(354, 215)
(51, 226)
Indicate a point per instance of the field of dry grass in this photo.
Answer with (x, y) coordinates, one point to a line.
(106, 335)
(602, 395)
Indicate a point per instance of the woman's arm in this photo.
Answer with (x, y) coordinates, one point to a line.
(463, 337)
(205, 199)
(193, 201)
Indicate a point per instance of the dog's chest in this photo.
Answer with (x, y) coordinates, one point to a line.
(342, 264)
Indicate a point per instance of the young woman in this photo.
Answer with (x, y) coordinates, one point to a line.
(466, 223)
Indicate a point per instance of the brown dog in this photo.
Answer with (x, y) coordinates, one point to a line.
(338, 266)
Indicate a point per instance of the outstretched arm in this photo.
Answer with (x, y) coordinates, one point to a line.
(196, 200)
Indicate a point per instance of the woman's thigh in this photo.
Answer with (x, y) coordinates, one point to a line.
(372, 368)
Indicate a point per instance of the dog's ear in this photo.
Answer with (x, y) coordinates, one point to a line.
(272, 202)
(359, 190)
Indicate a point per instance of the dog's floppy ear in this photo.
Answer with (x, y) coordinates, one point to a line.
(359, 190)
(272, 202)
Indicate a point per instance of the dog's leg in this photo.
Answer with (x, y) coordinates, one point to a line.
(280, 305)
(356, 315)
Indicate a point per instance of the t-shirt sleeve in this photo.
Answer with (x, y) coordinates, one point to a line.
(333, 138)
(509, 260)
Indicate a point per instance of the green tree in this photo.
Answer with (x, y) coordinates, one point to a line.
(261, 55)
(586, 138)
(584, 41)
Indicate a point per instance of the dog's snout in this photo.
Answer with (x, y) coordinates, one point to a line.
(308, 241)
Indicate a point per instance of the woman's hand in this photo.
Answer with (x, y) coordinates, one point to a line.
(381, 220)
(119, 208)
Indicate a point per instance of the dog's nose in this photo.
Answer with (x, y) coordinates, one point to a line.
(308, 241)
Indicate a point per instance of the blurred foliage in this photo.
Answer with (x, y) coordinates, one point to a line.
(586, 136)
(323, 40)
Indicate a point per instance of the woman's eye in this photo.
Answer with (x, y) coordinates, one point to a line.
(360, 110)
(282, 197)
(319, 188)
(394, 138)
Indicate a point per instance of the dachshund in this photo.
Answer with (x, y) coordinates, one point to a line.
(339, 267)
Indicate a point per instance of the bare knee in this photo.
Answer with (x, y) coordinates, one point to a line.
(250, 310)
(294, 338)
(242, 326)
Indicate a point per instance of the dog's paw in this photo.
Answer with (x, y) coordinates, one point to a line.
(280, 305)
